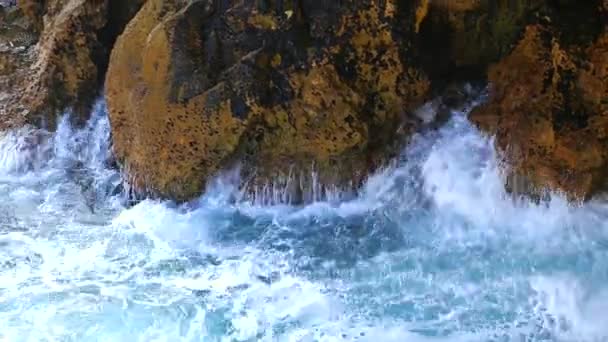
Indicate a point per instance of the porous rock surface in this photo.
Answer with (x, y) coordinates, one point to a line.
(301, 96)
(196, 86)
(53, 55)
(548, 105)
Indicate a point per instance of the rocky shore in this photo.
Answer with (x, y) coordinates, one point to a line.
(312, 95)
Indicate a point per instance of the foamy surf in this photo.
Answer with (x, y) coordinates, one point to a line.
(433, 249)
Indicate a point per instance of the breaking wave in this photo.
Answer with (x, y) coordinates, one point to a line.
(432, 249)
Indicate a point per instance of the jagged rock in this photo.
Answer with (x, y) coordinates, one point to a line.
(194, 87)
(459, 39)
(53, 56)
(544, 62)
(198, 86)
(548, 108)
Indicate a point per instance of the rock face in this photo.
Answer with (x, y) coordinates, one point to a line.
(548, 106)
(305, 94)
(195, 86)
(53, 55)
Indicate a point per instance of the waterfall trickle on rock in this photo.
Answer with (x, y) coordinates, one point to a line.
(433, 248)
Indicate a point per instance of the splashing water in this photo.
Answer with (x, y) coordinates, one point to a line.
(433, 249)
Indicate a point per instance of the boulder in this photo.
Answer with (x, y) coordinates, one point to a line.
(322, 88)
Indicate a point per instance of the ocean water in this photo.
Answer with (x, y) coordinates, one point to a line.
(433, 249)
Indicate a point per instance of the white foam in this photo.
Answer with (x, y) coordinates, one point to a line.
(569, 310)
(474, 264)
(23, 150)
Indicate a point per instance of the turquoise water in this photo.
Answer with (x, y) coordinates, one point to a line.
(433, 249)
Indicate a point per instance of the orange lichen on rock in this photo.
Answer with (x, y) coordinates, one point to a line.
(547, 113)
(171, 139)
(284, 91)
(57, 62)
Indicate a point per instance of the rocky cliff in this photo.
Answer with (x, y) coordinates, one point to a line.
(306, 95)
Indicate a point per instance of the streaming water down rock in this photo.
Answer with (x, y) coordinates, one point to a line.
(431, 249)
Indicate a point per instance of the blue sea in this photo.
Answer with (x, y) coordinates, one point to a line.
(431, 249)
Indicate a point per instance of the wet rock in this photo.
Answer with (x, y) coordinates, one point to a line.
(548, 107)
(195, 87)
(307, 97)
(286, 88)
(544, 62)
(53, 55)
